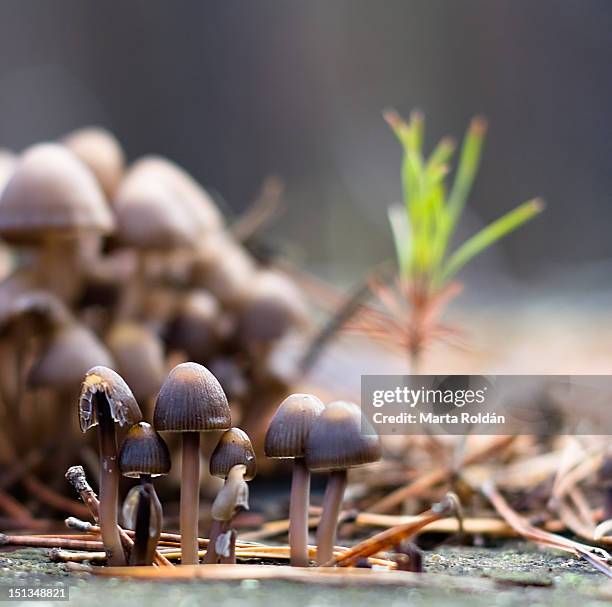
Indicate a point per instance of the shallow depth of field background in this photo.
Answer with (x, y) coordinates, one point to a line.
(235, 91)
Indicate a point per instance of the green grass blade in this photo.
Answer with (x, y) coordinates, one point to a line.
(469, 161)
(489, 235)
(400, 229)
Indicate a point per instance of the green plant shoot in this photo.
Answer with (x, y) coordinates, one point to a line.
(423, 228)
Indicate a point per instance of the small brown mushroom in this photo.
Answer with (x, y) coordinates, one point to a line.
(191, 401)
(339, 439)
(287, 437)
(144, 455)
(233, 460)
(105, 400)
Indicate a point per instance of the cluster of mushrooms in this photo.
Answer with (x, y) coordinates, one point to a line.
(129, 267)
(191, 402)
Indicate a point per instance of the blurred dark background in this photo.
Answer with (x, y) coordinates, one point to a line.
(236, 90)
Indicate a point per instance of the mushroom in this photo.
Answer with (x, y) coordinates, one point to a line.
(233, 460)
(194, 327)
(105, 400)
(286, 438)
(101, 152)
(52, 202)
(139, 354)
(273, 305)
(7, 165)
(191, 401)
(339, 439)
(142, 512)
(143, 455)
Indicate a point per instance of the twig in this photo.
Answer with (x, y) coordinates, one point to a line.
(76, 477)
(392, 537)
(597, 557)
(438, 475)
(35, 541)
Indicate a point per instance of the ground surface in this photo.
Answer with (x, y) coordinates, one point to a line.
(517, 576)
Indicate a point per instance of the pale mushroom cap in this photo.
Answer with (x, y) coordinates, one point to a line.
(51, 192)
(159, 206)
(101, 152)
(65, 358)
(288, 431)
(139, 355)
(8, 160)
(39, 309)
(234, 448)
(191, 400)
(123, 406)
(274, 304)
(143, 452)
(341, 438)
(185, 189)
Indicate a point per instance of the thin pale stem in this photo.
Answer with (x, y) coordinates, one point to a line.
(190, 498)
(298, 513)
(332, 502)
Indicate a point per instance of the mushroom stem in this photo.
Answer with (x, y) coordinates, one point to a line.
(109, 484)
(148, 526)
(233, 497)
(190, 498)
(216, 529)
(60, 268)
(298, 513)
(332, 502)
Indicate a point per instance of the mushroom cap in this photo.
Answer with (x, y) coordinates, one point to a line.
(273, 305)
(66, 356)
(195, 326)
(143, 452)
(341, 438)
(139, 355)
(185, 190)
(8, 160)
(101, 152)
(288, 431)
(234, 448)
(191, 400)
(224, 268)
(51, 192)
(123, 406)
(39, 310)
(159, 206)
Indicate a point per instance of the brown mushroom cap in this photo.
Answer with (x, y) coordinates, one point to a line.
(340, 438)
(51, 192)
(288, 431)
(123, 406)
(158, 206)
(234, 448)
(272, 307)
(139, 355)
(191, 400)
(66, 356)
(195, 326)
(101, 152)
(143, 452)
